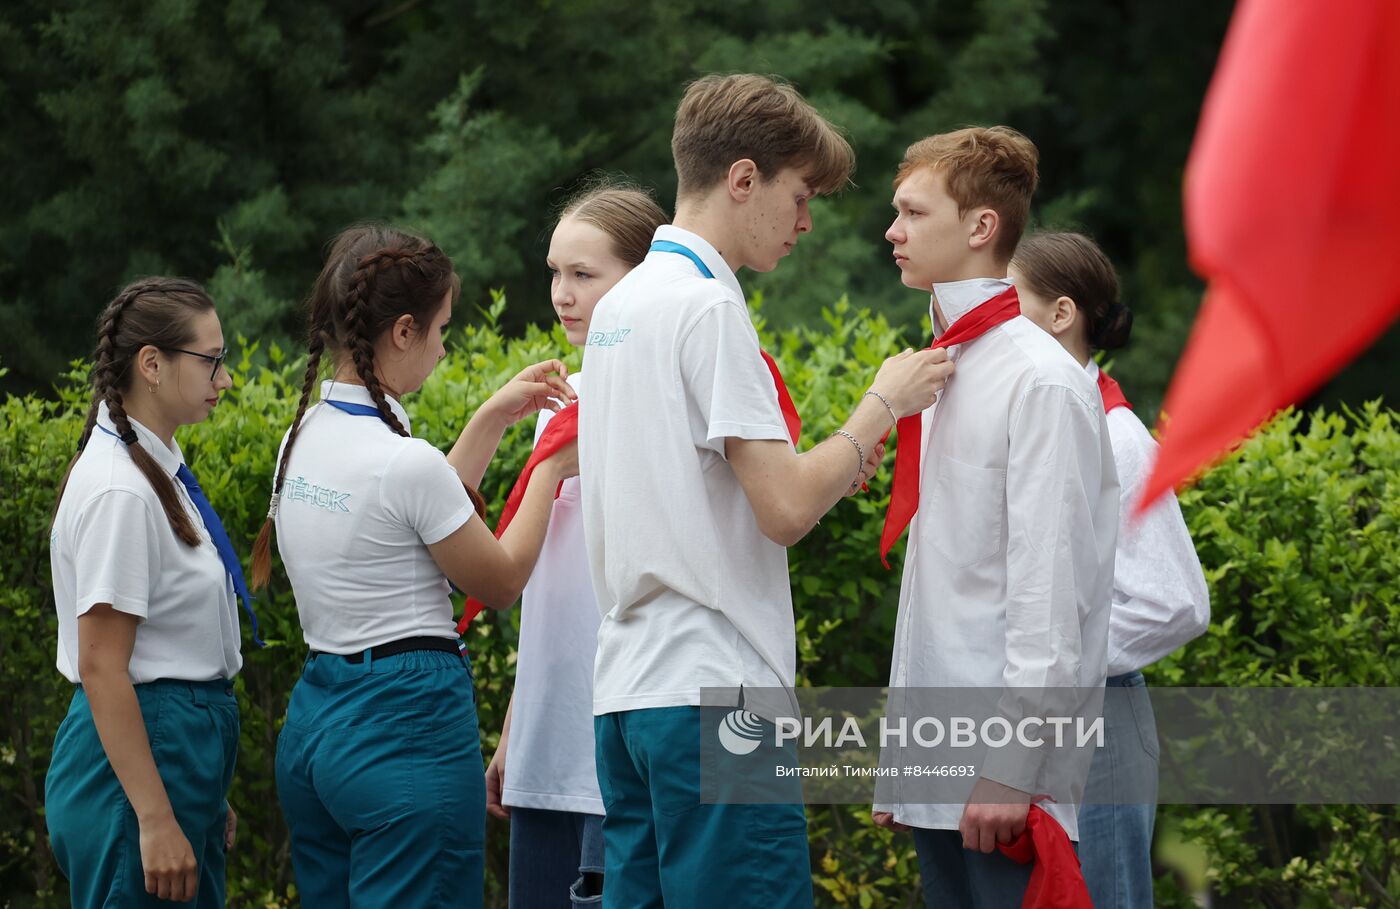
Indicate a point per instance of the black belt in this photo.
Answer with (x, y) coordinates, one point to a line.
(446, 645)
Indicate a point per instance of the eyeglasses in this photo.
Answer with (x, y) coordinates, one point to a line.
(216, 360)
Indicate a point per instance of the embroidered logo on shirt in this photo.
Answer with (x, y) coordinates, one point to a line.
(608, 338)
(298, 490)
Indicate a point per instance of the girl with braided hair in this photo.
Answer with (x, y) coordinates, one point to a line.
(145, 583)
(1068, 287)
(379, 763)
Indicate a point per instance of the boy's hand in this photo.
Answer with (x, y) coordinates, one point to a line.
(994, 814)
(911, 380)
(886, 819)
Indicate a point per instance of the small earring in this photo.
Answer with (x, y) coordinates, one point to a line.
(153, 388)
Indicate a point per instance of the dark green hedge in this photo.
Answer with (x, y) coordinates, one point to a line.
(1296, 530)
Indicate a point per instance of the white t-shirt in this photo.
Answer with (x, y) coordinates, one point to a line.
(360, 505)
(692, 593)
(112, 543)
(549, 763)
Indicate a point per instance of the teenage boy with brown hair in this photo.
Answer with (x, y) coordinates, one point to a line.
(1013, 498)
(692, 489)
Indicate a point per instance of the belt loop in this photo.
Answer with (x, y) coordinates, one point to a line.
(369, 660)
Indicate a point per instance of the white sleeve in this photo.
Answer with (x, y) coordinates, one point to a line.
(1160, 598)
(1055, 563)
(1054, 475)
(423, 491)
(116, 557)
(727, 381)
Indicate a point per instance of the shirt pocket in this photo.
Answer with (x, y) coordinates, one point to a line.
(966, 512)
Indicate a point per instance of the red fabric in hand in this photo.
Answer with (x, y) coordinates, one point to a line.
(562, 430)
(1056, 880)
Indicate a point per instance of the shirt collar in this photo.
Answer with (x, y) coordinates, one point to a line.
(958, 298)
(170, 459)
(1093, 369)
(702, 248)
(332, 390)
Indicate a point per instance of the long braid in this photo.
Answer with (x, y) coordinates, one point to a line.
(360, 344)
(100, 379)
(262, 546)
(362, 347)
(107, 377)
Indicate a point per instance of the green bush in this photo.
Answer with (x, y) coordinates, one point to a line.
(1296, 529)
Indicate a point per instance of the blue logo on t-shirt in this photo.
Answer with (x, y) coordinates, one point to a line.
(608, 338)
(298, 490)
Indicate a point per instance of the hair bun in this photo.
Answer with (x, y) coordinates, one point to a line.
(1114, 329)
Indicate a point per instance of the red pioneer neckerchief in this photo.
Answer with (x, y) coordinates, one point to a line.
(904, 490)
(1110, 392)
(1056, 880)
(563, 429)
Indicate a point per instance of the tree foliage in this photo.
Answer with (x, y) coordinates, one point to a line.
(228, 141)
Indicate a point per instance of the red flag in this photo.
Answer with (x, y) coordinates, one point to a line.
(1056, 880)
(1291, 197)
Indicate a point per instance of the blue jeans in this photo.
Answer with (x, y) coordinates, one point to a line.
(193, 731)
(1116, 821)
(550, 852)
(958, 878)
(379, 774)
(666, 847)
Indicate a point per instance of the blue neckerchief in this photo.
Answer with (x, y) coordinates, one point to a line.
(358, 410)
(670, 247)
(218, 536)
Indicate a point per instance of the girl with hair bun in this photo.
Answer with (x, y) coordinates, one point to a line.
(145, 582)
(374, 763)
(542, 776)
(1068, 287)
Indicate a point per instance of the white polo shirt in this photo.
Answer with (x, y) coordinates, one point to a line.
(692, 593)
(112, 543)
(360, 505)
(550, 763)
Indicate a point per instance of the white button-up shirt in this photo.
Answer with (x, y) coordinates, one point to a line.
(1009, 564)
(1160, 599)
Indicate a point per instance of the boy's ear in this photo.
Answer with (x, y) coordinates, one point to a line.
(984, 227)
(742, 179)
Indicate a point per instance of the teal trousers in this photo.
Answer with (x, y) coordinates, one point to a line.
(669, 845)
(380, 777)
(193, 730)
